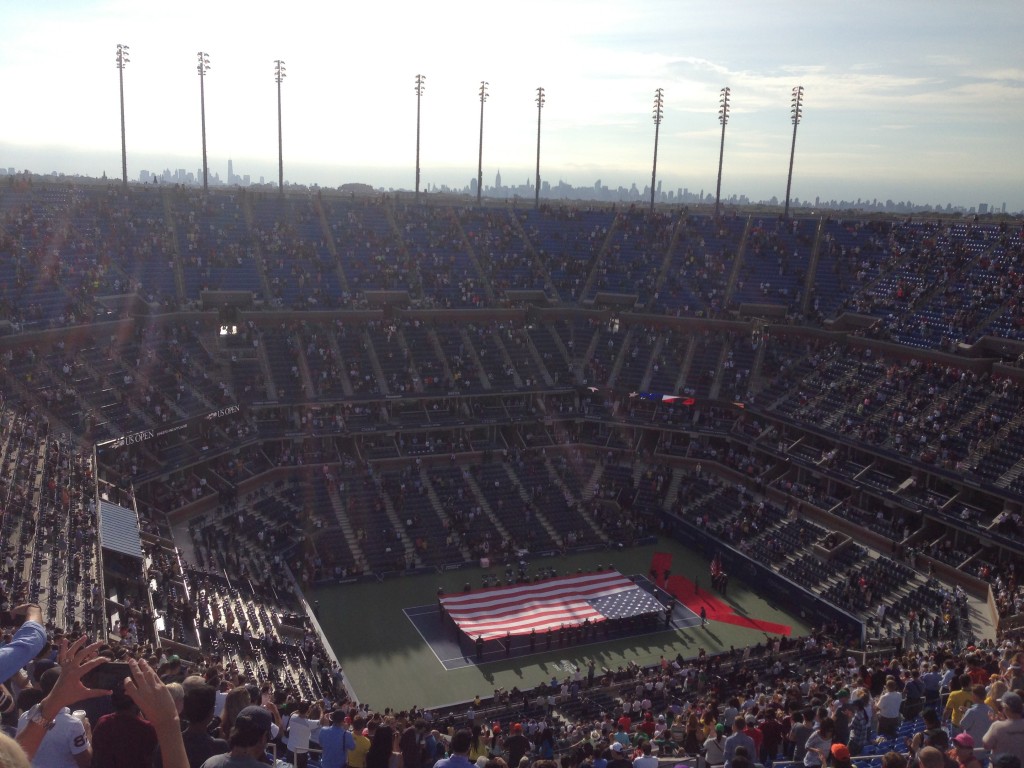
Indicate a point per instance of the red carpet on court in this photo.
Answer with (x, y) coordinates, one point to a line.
(661, 564)
(685, 592)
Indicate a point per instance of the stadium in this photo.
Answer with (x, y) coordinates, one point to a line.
(232, 421)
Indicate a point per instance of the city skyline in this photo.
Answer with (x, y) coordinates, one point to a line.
(915, 102)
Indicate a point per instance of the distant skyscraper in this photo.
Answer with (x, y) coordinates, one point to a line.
(231, 172)
(497, 180)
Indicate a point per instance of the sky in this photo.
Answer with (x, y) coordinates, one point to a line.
(907, 100)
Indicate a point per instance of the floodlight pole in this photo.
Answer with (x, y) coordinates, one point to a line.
(540, 106)
(796, 113)
(659, 111)
(122, 60)
(480, 158)
(420, 85)
(202, 68)
(279, 75)
(723, 118)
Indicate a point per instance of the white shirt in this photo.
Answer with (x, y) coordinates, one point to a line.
(299, 731)
(889, 704)
(61, 743)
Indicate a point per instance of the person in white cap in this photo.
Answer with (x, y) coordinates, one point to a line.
(1007, 735)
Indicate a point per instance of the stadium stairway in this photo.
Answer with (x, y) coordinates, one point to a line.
(378, 371)
(645, 382)
(720, 372)
(474, 357)
(538, 360)
(737, 263)
(345, 525)
(179, 274)
(471, 252)
(485, 506)
(598, 258)
(812, 268)
(624, 346)
(553, 534)
(346, 383)
(396, 523)
(666, 263)
(258, 255)
(331, 245)
(557, 482)
(684, 369)
(439, 508)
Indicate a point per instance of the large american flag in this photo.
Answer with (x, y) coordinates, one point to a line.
(569, 600)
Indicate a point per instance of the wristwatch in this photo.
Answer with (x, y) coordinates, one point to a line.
(35, 715)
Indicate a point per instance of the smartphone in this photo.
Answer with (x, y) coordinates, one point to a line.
(109, 676)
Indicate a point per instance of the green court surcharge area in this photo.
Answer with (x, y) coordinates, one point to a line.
(389, 663)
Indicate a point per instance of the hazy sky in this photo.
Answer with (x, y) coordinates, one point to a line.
(903, 99)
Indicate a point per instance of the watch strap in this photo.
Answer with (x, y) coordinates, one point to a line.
(35, 715)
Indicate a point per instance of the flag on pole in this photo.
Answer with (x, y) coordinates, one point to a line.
(716, 565)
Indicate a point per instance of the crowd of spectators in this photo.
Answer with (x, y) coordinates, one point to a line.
(70, 246)
(806, 701)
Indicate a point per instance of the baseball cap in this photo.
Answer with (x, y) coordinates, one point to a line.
(751, 720)
(254, 720)
(720, 728)
(964, 740)
(840, 751)
(616, 746)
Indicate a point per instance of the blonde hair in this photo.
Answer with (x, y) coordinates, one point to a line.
(11, 753)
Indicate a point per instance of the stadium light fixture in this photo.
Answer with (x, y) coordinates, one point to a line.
(658, 114)
(480, 157)
(540, 106)
(421, 84)
(122, 61)
(279, 75)
(202, 68)
(723, 118)
(796, 112)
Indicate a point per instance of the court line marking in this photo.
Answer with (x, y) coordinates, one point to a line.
(424, 639)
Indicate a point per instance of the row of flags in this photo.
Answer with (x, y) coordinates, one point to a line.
(660, 397)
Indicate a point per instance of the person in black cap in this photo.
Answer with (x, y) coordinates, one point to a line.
(248, 739)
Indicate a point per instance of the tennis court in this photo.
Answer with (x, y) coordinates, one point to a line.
(453, 649)
(396, 652)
